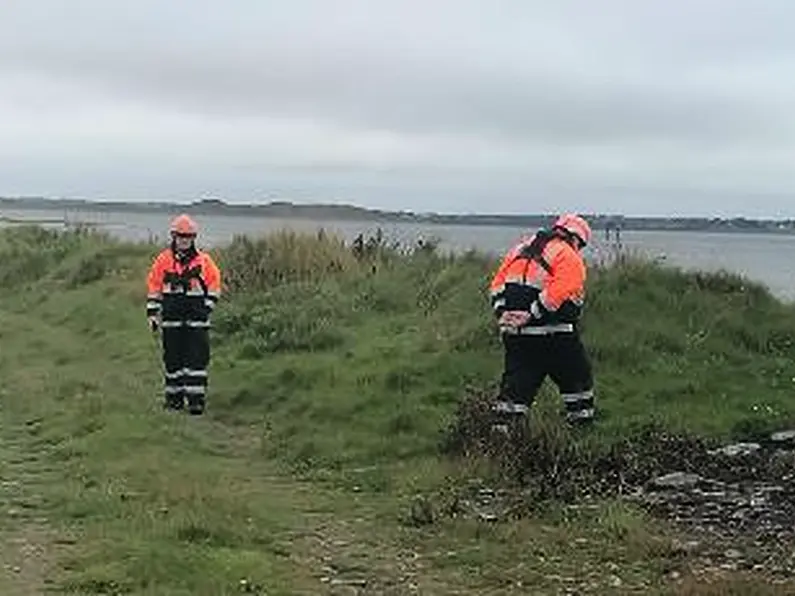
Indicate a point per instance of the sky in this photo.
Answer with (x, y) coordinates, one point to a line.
(492, 106)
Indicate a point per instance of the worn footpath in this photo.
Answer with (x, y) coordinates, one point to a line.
(26, 543)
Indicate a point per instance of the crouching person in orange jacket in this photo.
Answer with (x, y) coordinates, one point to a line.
(184, 285)
(537, 295)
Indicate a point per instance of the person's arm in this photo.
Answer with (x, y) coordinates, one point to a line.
(154, 295)
(497, 285)
(212, 279)
(566, 281)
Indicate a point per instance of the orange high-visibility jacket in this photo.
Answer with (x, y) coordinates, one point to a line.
(556, 283)
(183, 293)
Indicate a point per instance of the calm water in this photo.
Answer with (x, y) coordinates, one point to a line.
(766, 258)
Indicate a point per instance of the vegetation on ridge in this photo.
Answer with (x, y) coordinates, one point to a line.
(335, 379)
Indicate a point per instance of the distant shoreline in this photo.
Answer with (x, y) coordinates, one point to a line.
(344, 212)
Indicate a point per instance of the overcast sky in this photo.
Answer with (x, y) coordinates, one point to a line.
(643, 107)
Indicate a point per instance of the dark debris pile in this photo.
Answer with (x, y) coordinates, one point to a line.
(741, 495)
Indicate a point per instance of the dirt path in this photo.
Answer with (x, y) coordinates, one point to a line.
(25, 543)
(25, 561)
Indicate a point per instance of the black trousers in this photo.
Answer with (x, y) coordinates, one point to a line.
(186, 356)
(529, 359)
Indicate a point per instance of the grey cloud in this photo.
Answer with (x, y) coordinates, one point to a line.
(612, 99)
(504, 85)
(694, 92)
(448, 99)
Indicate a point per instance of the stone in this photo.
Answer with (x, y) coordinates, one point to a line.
(677, 480)
(783, 436)
(360, 583)
(732, 553)
(687, 547)
(737, 449)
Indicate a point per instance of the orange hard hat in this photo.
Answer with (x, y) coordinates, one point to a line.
(576, 226)
(183, 225)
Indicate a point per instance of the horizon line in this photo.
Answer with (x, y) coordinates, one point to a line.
(221, 204)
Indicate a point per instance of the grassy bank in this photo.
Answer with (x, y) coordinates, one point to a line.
(335, 381)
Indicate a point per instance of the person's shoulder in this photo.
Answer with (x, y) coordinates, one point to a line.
(566, 251)
(162, 255)
(524, 242)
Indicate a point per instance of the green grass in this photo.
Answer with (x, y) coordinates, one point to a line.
(334, 379)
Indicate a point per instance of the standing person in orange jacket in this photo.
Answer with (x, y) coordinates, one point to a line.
(184, 285)
(537, 295)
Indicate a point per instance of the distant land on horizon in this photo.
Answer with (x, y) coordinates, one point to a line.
(347, 212)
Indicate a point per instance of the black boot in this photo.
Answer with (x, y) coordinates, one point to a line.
(174, 401)
(577, 420)
(196, 405)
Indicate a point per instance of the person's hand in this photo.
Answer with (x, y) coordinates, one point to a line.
(514, 318)
(154, 323)
(208, 308)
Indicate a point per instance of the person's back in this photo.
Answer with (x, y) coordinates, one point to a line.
(543, 276)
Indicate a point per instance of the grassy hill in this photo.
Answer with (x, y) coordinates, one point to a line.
(339, 453)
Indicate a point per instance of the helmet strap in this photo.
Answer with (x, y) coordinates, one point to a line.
(572, 239)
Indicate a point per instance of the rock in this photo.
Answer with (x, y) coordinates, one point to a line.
(783, 436)
(359, 583)
(677, 480)
(736, 449)
(733, 553)
(686, 547)
(715, 495)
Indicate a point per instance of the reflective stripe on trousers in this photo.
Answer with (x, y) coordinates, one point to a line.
(538, 329)
(175, 324)
(579, 405)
